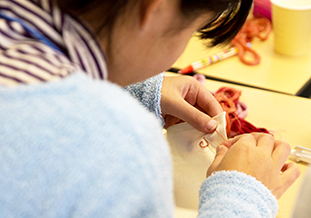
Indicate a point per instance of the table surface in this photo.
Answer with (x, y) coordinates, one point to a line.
(275, 72)
(290, 118)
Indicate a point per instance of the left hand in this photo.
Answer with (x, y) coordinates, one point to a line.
(258, 155)
(186, 99)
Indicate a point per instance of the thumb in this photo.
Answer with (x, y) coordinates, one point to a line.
(290, 172)
(220, 153)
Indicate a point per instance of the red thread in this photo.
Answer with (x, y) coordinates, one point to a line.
(228, 98)
(256, 27)
(207, 143)
(201, 143)
(220, 135)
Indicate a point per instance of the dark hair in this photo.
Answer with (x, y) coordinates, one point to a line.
(229, 19)
(230, 15)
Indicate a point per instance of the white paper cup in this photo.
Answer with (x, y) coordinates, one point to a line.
(292, 26)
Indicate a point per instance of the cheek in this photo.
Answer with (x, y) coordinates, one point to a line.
(164, 54)
(167, 57)
(176, 46)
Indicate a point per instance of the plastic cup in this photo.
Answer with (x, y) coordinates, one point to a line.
(292, 26)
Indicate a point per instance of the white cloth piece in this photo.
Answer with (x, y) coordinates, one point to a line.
(192, 161)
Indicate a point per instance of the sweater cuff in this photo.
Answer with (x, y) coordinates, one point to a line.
(235, 194)
(148, 92)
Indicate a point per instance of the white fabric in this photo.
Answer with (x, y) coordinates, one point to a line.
(192, 161)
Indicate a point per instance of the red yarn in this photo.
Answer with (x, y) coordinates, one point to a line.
(256, 27)
(228, 98)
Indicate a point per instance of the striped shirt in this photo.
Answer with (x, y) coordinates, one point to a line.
(39, 43)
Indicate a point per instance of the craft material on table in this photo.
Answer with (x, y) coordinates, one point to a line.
(302, 154)
(262, 8)
(190, 160)
(240, 45)
(256, 27)
(236, 111)
(209, 60)
(208, 140)
(193, 151)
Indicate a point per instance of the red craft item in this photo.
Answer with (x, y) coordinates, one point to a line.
(228, 98)
(256, 27)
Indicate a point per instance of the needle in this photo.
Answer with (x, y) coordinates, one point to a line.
(210, 142)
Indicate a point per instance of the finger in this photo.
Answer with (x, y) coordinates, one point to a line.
(181, 105)
(194, 117)
(227, 143)
(244, 140)
(280, 153)
(290, 173)
(234, 139)
(220, 153)
(207, 102)
(170, 120)
(264, 141)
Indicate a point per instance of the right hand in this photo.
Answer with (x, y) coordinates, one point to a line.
(185, 99)
(260, 156)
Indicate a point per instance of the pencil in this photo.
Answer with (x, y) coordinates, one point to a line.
(209, 60)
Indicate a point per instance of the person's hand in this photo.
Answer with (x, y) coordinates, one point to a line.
(260, 156)
(186, 99)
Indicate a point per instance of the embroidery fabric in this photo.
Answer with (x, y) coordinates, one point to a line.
(190, 160)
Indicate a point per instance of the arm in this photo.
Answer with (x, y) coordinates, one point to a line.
(148, 92)
(235, 194)
(243, 179)
(177, 99)
(81, 156)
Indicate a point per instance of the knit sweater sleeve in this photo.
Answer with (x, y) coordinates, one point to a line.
(235, 194)
(148, 93)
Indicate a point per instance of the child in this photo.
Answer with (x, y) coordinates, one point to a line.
(74, 143)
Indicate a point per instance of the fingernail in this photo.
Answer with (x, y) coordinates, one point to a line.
(212, 125)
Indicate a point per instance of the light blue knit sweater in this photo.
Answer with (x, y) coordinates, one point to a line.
(84, 148)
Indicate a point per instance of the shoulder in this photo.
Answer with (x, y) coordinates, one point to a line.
(78, 104)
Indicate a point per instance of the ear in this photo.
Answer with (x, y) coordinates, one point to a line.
(147, 10)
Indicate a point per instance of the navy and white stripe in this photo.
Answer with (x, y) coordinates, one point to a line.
(39, 43)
